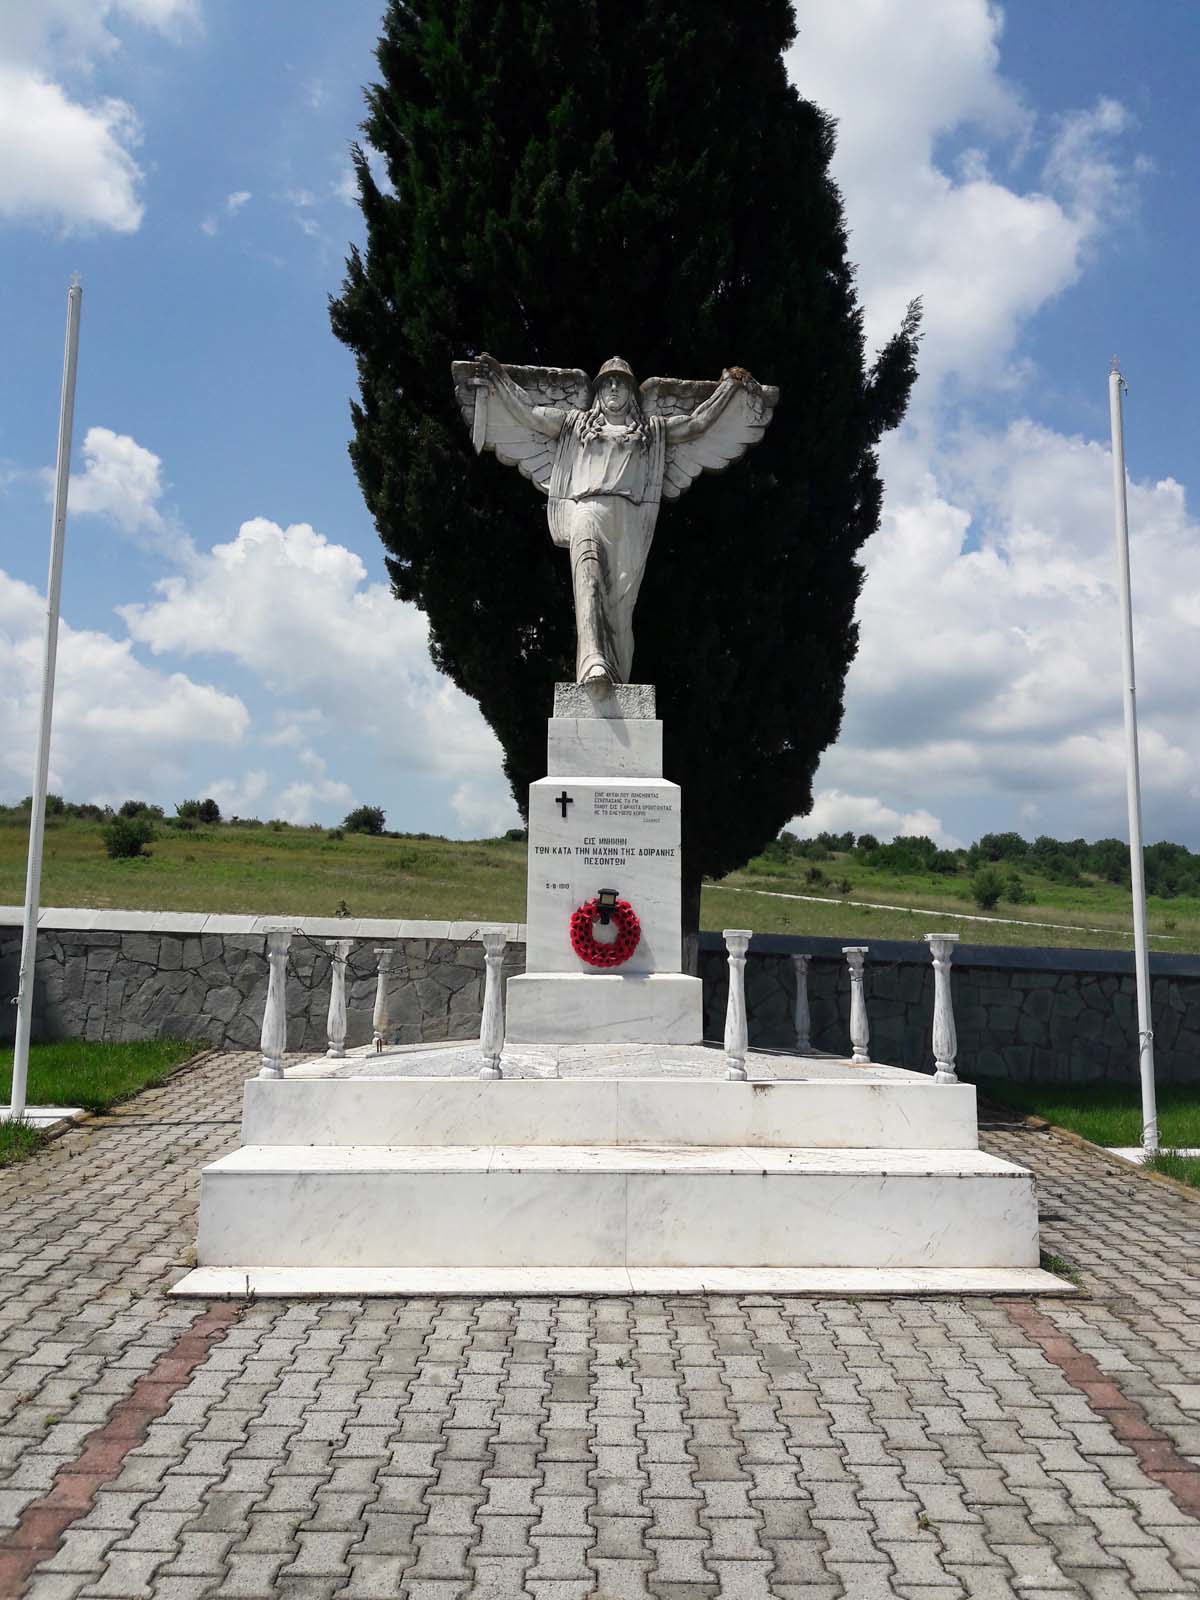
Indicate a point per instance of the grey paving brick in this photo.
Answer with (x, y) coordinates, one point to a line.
(82, 1551)
(55, 1585)
(127, 1574)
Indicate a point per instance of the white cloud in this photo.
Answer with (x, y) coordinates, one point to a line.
(984, 255)
(834, 811)
(72, 35)
(64, 159)
(300, 801)
(484, 810)
(296, 610)
(120, 727)
(1007, 692)
(231, 205)
(987, 685)
(165, 15)
(122, 481)
(1081, 165)
(240, 796)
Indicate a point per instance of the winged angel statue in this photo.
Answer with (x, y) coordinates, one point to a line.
(607, 457)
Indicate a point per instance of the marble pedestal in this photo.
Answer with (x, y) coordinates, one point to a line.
(605, 818)
(604, 1008)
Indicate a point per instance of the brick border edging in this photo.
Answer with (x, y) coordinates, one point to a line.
(1157, 1456)
(42, 1524)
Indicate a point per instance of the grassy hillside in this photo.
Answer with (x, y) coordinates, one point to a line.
(1091, 915)
(303, 871)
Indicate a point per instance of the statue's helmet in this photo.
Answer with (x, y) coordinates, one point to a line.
(621, 368)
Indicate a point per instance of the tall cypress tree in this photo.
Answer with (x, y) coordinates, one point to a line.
(574, 179)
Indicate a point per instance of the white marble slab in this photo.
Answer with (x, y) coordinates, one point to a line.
(409, 1218)
(618, 833)
(889, 1218)
(703, 1060)
(55, 917)
(604, 1207)
(225, 1283)
(44, 1116)
(1135, 1153)
(84, 919)
(604, 1008)
(699, 1160)
(578, 746)
(227, 922)
(902, 1114)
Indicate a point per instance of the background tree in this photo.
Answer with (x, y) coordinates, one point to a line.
(365, 819)
(580, 178)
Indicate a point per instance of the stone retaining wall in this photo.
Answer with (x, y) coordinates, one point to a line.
(1050, 1015)
(142, 975)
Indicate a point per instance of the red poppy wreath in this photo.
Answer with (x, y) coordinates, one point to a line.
(589, 949)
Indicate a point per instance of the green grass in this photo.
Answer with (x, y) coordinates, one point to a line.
(18, 1141)
(303, 872)
(1050, 1261)
(1107, 1114)
(1184, 1169)
(258, 871)
(74, 1072)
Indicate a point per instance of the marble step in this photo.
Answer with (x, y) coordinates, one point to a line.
(266, 1283)
(361, 1206)
(836, 1113)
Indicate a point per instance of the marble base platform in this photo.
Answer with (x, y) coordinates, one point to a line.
(620, 1168)
(604, 1008)
(605, 1206)
(829, 1113)
(265, 1283)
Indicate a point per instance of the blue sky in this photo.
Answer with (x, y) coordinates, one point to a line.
(227, 624)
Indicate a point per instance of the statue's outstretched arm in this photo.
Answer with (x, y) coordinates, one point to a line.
(543, 419)
(694, 423)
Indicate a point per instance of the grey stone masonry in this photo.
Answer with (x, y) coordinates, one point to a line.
(175, 975)
(1038, 1015)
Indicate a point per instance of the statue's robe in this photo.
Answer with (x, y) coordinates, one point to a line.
(605, 492)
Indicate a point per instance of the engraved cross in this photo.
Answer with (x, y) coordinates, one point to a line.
(564, 800)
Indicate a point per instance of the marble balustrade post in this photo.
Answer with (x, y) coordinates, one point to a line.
(737, 941)
(945, 1035)
(860, 1031)
(800, 1016)
(491, 1028)
(380, 1022)
(335, 1027)
(273, 1039)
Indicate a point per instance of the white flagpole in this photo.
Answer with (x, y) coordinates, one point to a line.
(1133, 785)
(37, 818)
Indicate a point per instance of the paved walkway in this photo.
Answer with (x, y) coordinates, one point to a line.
(699, 1446)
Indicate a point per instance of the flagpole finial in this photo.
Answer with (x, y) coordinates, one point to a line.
(76, 281)
(1115, 364)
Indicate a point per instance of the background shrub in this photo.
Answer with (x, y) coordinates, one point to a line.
(125, 837)
(986, 888)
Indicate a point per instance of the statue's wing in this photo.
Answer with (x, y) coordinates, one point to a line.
(740, 425)
(674, 397)
(494, 425)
